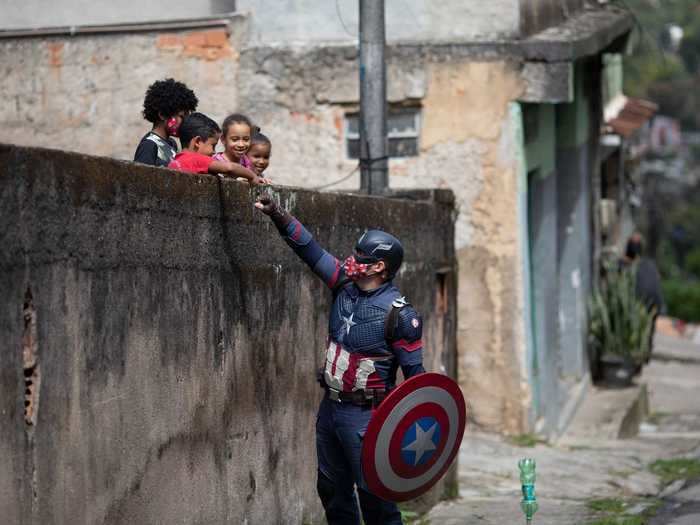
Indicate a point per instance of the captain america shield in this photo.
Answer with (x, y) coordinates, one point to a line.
(413, 437)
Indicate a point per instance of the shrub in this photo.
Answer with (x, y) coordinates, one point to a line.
(619, 323)
(682, 299)
(692, 262)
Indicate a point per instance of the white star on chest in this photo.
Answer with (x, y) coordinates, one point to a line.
(423, 443)
(348, 323)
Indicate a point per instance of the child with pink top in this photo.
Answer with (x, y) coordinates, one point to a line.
(237, 130)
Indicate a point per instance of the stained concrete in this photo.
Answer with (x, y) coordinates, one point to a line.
(590, 463)
(90, 90)
(177, 338)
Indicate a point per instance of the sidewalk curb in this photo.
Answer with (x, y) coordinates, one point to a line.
(608, 413)
(636, 412)
(670, 358)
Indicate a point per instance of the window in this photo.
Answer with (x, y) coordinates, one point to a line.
(403, 129)
(531, 122)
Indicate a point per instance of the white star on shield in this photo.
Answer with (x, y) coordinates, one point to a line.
(348, 323)
(423, 443)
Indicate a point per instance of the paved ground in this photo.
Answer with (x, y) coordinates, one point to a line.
(587, 465)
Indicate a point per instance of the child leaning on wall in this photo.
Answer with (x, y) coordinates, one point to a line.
(199, 135)
(166, 103)
(237, 132)
(259, 153)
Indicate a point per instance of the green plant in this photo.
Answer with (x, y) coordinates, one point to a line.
(692, 262)
(412, 517)
(619, 520)
(616, 511)
(682, 299)
(527, 440)
(613, 505)
(670, 470)
(619, 323)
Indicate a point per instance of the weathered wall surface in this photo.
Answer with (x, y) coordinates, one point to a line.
(536, 15)
(170, 338)
(297, 21)
(319, 21)
(85, 93)
(467, 144)
(91, 87)
(39, 13)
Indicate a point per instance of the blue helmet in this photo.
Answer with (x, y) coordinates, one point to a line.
(375, 246)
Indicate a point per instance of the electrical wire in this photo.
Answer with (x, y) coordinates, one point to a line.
(342, 22)
(342, 179)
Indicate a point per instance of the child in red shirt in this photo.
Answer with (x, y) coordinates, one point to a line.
(199, 135)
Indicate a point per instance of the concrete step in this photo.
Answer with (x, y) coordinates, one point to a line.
(609, 413)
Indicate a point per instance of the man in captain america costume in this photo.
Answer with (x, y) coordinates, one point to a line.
(372, 332)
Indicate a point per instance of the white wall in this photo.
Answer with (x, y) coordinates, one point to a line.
(57, 13)
(285, 21)
(307, 21)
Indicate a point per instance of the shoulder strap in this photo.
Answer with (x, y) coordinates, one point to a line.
(391, 322)
(340, 285)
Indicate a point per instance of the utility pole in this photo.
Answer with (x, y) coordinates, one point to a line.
(374, 165)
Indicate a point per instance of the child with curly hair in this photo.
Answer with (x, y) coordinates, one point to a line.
(166, 103)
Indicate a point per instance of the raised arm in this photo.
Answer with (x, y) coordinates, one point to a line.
(236, 170)
(304, 245)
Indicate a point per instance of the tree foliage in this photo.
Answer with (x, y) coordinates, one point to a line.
(669, 77)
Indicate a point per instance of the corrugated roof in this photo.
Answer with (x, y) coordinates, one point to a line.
(632, 116)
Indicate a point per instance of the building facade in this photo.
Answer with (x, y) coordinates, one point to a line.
(499, 101)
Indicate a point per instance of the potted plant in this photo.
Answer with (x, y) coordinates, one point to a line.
(619, 329)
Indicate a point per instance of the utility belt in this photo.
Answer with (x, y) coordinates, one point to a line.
(363, 398)
(366, 397)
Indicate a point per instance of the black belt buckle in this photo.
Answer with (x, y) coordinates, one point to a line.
(334, 394)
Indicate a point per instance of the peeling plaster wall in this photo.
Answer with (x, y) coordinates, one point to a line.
(467, 144)
(85, 93)
(177, 338)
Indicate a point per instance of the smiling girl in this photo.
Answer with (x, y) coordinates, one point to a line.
(237, 130)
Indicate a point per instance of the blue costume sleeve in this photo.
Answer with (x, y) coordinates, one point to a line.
(407, 344)
(323, 264)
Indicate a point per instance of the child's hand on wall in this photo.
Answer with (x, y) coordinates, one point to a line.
(258, 181)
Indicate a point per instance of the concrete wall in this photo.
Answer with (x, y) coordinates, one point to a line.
(536, 15)
(90, 89)
(544, 355)
(85, 94)
(289, 21)
(171, 339)
(314, 21)
(562, 166)
(40, 13)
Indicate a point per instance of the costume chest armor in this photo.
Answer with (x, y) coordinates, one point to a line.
(357, 339)
(357, 320)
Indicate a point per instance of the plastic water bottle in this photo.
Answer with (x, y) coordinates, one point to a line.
(527, 480)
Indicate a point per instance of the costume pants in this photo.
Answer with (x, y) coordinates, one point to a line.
(340, 428)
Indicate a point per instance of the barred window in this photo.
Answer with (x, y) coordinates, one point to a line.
(403, 127)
